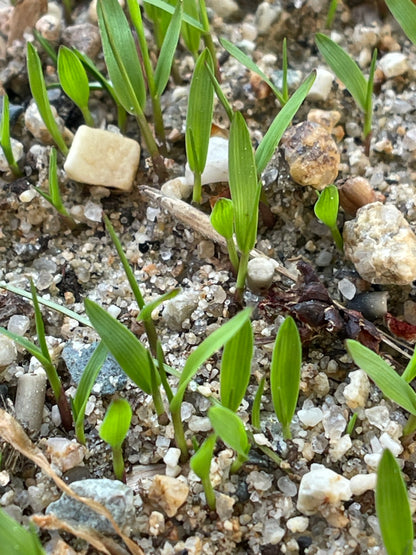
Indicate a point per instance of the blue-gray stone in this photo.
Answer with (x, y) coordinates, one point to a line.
(111, 377)
(114, 495)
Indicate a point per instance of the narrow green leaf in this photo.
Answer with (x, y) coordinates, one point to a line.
(236, 367)
(222, 217)
(206, 349)
(383, 375)
(409, 373)
(5, 140)
(167, 52)
(116, 422)
(344, 68)
(393, 509)
(170, 9)
(46, 45)
(244, 186)
(221, 96)
(255, 411)
(191, 36)
(147, 310)
(326, 207)
(16, 540)
(230, 428)
(121, 57)
(404, 12)
(123, 345)
(38, 89)
(201, 461)
(199, 116)
(73, 78)
(241, 57)
(285, 373)
(40, 327)
(26, 344)
(280, 123)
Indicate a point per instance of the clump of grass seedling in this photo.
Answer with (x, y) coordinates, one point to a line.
(222, 220)
(54, 196)
(353, 78)
(199, 120)
(113, 431)
(285, 373)
(201, 464)
(74, 81)
(5, 141)
(392, 385)
(326, 210)
(404, 12)
(38, 89)
(393, 508)
(44, 357)
(17, 540)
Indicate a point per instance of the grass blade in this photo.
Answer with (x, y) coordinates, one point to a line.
(116, 422)
(383, 375)
(236, 367)
(200, 463)
(285, 373)
(404, 12)
(230, 428)
(392, 507)
(167, 52)
(170, 9)
(38, 89)
(146, 312)
(280, 123)
(191, 36)
(123, 345)
(16, 540)
(5, 141)
(344, 68)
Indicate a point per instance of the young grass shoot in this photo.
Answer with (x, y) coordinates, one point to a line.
(113, 431)
(5, 140)
(326, 210)
(200, 463)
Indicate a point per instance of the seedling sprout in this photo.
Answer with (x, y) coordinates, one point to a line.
(113, 430)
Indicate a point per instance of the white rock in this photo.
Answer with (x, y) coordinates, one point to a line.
(30, 400)
(168, 493)
(321, 486)
(310, 417)
(298, 524)
(8, 351)
(179, 308)
(199, 424)
(372, 460)
(272, 532)
(19, 324)
(224, 8)
(363, 482)
(409, 140)
(388, 442)
(17, 149)
(393, 64)
(36, 125)
(224, 505)
(216, 167)
(65, 454)
(49, 26)
(321, 86)
(177, 188)
(260, 272)
(98, 157)
(378, 416)
(357, 391)
(381, 245)
(172, 456)
(266, 15)
(340, 447)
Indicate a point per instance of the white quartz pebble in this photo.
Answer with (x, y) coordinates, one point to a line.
(321, 486)
(177, 188)
(216, 167)
(8, 351)
(357, 391)
(298, 524)
(260, 272)
(363, 482)
(322, 85)
(98, 157)
(393, 64)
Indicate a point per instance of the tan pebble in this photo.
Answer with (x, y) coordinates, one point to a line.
(326, 118)
(312, 155)
(356, 192)
(65, 454)
(168, 493)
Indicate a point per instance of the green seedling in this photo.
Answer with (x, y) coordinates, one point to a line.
(393, 508)
(191, 36)
(245, 191)
(230, 428)
(113, 431)
(333, 4)
(351, 423)
(201, 465)
(17, 540)
(46, 45)
(246, 61)
(222, 220)
(326, 210)
(386, 379)
(285, 373)
(5, 141)
(351, 75)
(43, 356)
(161, 18)
(54, 196)
(236, 367)
(255, 411)
(74, 81)
(404, 12)
(202, 353)
(199, 120)
(124, 66)
(38, 89)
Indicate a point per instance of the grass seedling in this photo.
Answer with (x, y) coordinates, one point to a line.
(113, 431)
(5, 141)
(230, 428)
(351, 75)
(285, 373)
(191, 36)
(236, 367)
(404, 12)
(17, 540)
(386, 379)
(222, 220)
(201, 465)
(333, 4)
(203, 352)
(38, 89)
(54, 196)
(255, 411)
(74, 81)
(351, 423)
(393, 508)
(124, 67)
(245, 191)
(43, 356)
(199, 120)
(326, 210)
